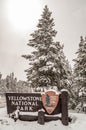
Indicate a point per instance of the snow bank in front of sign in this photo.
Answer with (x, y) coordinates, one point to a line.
(6, 123)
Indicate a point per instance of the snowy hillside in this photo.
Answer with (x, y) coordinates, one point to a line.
(6, 123)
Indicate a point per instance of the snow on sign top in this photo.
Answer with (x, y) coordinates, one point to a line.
(50, 100)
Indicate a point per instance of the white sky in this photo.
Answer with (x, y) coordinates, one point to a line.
(70, 22)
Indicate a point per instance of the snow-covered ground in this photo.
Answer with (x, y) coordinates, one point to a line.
(78, 122)
(6, 123)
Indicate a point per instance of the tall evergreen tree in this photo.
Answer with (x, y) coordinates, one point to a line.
(48, 65)
(11, 83)
(80, 71)
(2, 85)
(0, 75)
(0, 81)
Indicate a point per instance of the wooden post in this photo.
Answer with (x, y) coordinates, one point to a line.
(64, 100)
(41, 117)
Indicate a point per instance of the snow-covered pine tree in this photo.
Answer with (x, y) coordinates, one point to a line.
(48, 65)
(0, 81)
(2, 85)
(0, 75)
(11, 83)
(80, 73)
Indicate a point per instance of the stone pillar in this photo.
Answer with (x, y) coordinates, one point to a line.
(64, 102)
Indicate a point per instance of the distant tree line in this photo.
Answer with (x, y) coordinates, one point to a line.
(10, 84)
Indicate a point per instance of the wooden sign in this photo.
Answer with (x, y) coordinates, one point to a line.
(26, 102)
(50, 101)
(32, 102)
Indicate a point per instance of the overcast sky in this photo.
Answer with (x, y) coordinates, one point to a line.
(70, 22)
